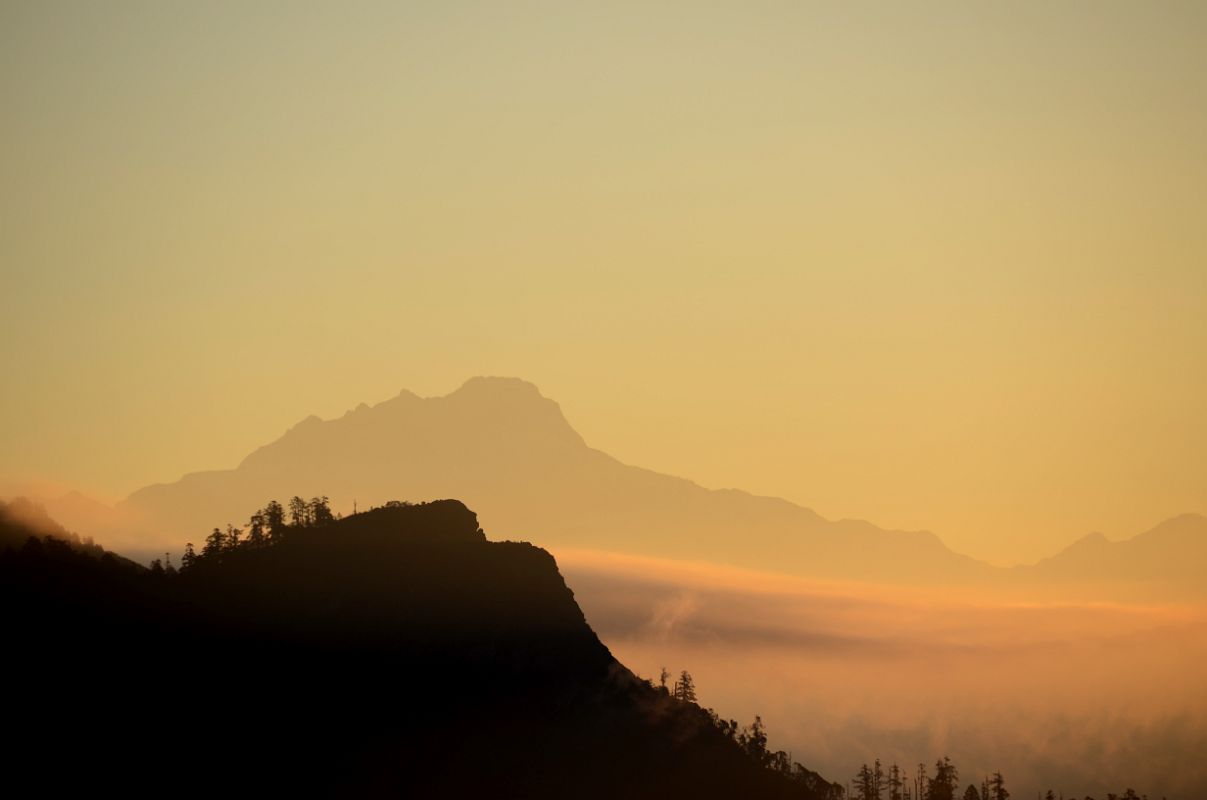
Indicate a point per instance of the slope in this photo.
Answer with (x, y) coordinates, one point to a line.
(511, 454)
(393, 653)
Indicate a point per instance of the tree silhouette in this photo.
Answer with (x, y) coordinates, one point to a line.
(274, 519)
(754, 741)
(945, 783)
(189, 558)
(299, 512)
(997, 788)
(215, 543)
(685, 688)
(319, 511)
(255, 529)
(895, 782)
(865, 784)
(971, 793)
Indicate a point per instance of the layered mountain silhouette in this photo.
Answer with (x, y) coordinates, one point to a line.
(21, 518)
(509, 452)
(396, 652)
(1168, 561)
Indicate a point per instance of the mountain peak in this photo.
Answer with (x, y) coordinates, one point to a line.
(486, 421)
(494, 386)
(1092, 539)
(1188, 527)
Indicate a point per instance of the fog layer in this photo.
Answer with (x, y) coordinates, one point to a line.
(1080, 698)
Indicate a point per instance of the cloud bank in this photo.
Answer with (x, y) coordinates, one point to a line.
(1080, 698)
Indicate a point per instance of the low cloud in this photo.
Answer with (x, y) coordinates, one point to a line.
(1080, 698)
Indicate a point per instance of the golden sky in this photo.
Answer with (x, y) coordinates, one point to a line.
(938, 266)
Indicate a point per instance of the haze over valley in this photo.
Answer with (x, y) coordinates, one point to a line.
(846, 637)
(660, 400)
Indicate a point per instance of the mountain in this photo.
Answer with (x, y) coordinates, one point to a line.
(80, 513)
(510, 453)
(1168, 562)
(396, 652)
(22, 519)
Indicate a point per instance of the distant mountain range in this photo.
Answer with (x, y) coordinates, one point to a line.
(509, 452)
(1168, 561)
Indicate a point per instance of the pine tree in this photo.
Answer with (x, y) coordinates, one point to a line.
(865, 783)
(997, 786)
(319, 511)
(945, 783)
(685, 688)
(215, 543)
(299, 512)
(255, 529)
(895, 782)
(754, 741)
(274, 519)
(188, 559)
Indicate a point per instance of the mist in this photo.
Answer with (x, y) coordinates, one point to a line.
(1080, 698)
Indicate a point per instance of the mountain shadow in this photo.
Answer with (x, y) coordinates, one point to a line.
(396, 652)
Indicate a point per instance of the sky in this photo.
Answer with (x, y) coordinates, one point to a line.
(935, 266)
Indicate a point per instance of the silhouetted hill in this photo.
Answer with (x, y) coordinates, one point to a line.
(396, 652)
(21, 519)
(510, 453)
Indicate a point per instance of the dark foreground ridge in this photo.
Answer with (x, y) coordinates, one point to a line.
(393, 653)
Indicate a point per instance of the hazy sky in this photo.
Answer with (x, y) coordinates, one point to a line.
(938, 266)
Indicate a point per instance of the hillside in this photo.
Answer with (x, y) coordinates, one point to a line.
(21, 519)
(396, 652)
